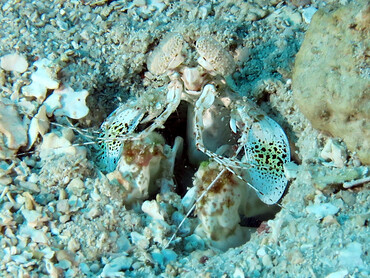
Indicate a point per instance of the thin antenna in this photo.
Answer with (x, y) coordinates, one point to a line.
(194, 205)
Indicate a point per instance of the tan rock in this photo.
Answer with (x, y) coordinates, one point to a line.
(330, 83)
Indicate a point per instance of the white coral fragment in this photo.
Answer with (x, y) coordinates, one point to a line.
(167, 55)
(42, 79)
(152, 209)
(73, 103)
(52, 144)
(37, 236)
(52, 103)
(67, 102)
(14, 62)
(334, 152)
(322, 210)
(117, 267)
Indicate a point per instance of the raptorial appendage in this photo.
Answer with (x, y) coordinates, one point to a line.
(261, 151)
(121, 123)
(267, 150)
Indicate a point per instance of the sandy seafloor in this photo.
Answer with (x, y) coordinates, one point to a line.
(50, 227)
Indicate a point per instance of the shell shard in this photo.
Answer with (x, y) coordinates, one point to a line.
(267, 150)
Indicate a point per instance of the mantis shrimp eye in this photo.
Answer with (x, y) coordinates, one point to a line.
(215, 56)
(166, 55)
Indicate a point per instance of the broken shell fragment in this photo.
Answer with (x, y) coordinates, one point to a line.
(334, 152)
(42, 79)
(73, 103)
(67, 102)
(52, 144)
(14, 62)
(152, 209)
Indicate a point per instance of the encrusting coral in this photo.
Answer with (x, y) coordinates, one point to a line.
(218, 211)
(142, 164)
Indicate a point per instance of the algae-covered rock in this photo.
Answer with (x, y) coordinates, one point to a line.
(331, 75)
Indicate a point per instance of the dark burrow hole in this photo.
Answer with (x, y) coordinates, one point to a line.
(176, 125)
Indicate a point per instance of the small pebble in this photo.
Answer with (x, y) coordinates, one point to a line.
(31, 216)
(37, 236)
(84, 268)
(94, 268)
(64, 255)
(123, 243)
(169, 255)
(261, 252)
(139, 240)
(73, 245)
(157, 257)
(64, 264)
(14, 62)
(62, 194)
(330, 220)
(291, 170)
(361, 219)
(76, 187)
(338, 274)
(63, 206)
(322, 210)
(48, 252)
(31, 186)
(64, 218)
(238, 273)
(266, 261)
(117, 265)
(350, 256)
(93, 213)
